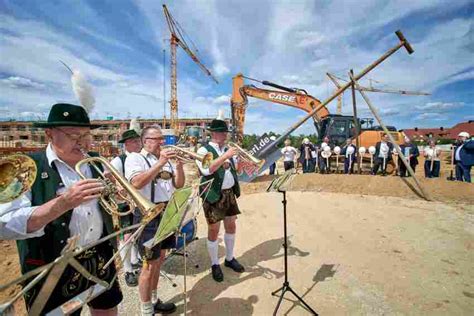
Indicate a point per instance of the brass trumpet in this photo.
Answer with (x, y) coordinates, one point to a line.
(111, 194)
(188, 156)
(245, 156)
(17, 175)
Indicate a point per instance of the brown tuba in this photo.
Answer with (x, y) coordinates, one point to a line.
(17, 175)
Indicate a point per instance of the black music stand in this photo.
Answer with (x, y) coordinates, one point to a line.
(280, 185)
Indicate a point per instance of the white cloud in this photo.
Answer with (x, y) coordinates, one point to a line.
(21, 83)
(439, 106)
(431, 116)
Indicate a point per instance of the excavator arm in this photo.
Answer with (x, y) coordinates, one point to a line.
(291, 97)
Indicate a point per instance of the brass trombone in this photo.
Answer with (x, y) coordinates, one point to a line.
(245, 156)
(187, 156)
(17, 175)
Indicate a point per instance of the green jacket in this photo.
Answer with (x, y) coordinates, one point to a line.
(38, 251)
(214, 193)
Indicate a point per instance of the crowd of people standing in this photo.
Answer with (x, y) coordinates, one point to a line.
(317, 157)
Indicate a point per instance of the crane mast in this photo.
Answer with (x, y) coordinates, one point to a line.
(177, 38)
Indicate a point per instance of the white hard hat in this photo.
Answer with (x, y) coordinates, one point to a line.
(464, 134)
(394, 151)
(306, 141)
(350, 150)
(327, 149)
(337, 150)
(362, 150)
(372, 150)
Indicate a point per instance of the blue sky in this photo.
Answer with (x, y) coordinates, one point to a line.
(119, 46)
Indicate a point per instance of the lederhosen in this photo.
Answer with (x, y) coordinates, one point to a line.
(150, 229)
(38, 251)
(126, 220)
(218, 203)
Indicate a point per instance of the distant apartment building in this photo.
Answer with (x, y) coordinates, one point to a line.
(18, 135)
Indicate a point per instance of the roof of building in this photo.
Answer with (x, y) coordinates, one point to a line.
(441, 132)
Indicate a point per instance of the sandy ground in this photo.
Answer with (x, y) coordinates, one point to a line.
(348, 255)
(358, 245)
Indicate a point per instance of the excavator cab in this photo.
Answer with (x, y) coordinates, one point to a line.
(338, 128)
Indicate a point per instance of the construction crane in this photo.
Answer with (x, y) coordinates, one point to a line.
(369, 89)
(177, 38)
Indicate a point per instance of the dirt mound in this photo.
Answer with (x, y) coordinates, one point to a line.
(438, 189)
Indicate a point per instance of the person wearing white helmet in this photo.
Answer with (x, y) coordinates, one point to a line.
(464, 157)
(349, 153)
(289, 154)
(323, 168)
(411, 153)
(272, 167)
(308, 155)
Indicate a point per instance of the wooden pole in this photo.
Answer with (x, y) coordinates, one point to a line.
(397, 148)
(356, 121)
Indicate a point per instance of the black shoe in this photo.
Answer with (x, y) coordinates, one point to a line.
(131, 279)
(164, 308)
(217, 274)
(234, 265)
(137, 265)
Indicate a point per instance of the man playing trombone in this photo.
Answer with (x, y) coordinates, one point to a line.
(61, 205)
(152, 173)
(220, 202)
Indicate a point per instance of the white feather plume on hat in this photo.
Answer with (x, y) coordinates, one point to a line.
(220, 115)
(82, 89)
(135, 125)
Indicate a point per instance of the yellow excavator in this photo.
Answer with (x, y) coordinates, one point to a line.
(334, 126)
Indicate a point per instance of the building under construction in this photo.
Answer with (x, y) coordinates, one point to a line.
(22, 136)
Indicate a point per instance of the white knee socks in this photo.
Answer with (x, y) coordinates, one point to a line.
(135, 256)
(147, 309)
(125, 255)
(229, 240)
(212, 248)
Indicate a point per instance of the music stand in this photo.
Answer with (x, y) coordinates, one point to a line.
(280, 184)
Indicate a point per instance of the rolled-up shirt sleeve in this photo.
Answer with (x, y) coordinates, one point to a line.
(134, 164)
(204, 171)
(14, 218)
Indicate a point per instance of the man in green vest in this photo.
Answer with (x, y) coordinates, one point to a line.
(61, 205)
(220, 202)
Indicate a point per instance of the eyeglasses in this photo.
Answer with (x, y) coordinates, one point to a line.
(155, 138)
(75, 137)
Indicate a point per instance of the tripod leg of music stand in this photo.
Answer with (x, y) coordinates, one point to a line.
(302, 301)
(276, 291)
(283, 290)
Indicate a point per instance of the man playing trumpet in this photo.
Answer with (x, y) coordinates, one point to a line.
(152, 173)
(61, 205)
(220, 202)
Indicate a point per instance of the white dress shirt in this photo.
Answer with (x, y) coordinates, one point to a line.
(117, 163)
(383, 153)
(228, 181)
(86, 219)
(136, 164)
(289, 153)
(457, 154)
